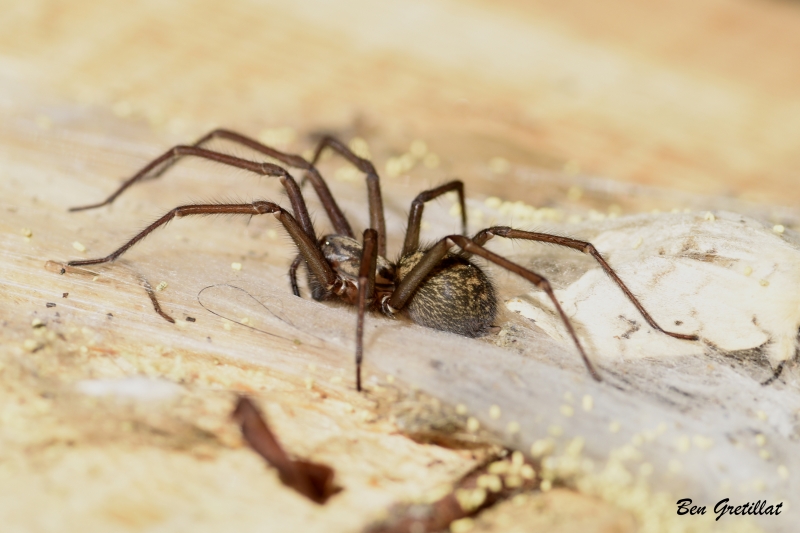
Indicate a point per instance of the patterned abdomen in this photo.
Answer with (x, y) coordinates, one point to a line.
(456, 296)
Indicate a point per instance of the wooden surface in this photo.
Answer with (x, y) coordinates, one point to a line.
(683, 104)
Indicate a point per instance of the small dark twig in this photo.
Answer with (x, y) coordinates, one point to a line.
(157, 306)
(312, 480)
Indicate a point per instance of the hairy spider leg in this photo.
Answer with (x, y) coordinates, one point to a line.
(418, 205)
(588, 248)
(366, 292)
(293, 275)
(161, 164)
(337, 218)
(434, 255)
(308, 246)
(262, 169)
(377, 220)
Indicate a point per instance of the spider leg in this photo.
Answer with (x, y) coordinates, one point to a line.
(161, 164)
(262, 169)
(582, 246)
(434, 255)
(293, 275)
(366, 292)
(308, 247)
(418, 205)
(377, 219)
(337, 218)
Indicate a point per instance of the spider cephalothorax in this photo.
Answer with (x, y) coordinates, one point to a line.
(436, 286)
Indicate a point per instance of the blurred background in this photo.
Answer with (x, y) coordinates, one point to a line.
(699, 96)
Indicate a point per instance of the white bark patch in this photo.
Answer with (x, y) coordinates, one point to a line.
(731, 280)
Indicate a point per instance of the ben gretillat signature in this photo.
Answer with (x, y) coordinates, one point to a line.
(723, 507)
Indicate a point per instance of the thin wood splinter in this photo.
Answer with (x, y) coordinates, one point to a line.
(436, 286)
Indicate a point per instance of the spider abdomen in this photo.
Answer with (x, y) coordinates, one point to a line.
(457, 296)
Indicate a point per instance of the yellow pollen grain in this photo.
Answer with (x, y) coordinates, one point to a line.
(29, 345)
(37, 323)
(26, 232)
(461, 409)
(462, 525)
(280, 137)
(490, 482)
(513, 427)
(683, 443)
(614, 426)
(470, 499)
(764, 454)
(587, 403)
(546, 485)
(517, 459)
(709, 216)
(499, 467)
(236, 266)
(161, 286)
(360, 147)
(245, 320)
(493, 202)
(748, 270)
(527, 472)
(555, 431)
(638, 243)
(761, 440)
(78, 246)
(541, 448)
(783, 472)
(778, 228)
(389, 379)
(513, 481)
(761, 415)
(494, 412)
(763, 283)
(567, 410)
(473, 425)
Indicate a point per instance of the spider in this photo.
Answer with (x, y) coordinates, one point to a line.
(434, 286)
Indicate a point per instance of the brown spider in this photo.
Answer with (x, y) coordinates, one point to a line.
(433, 286)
